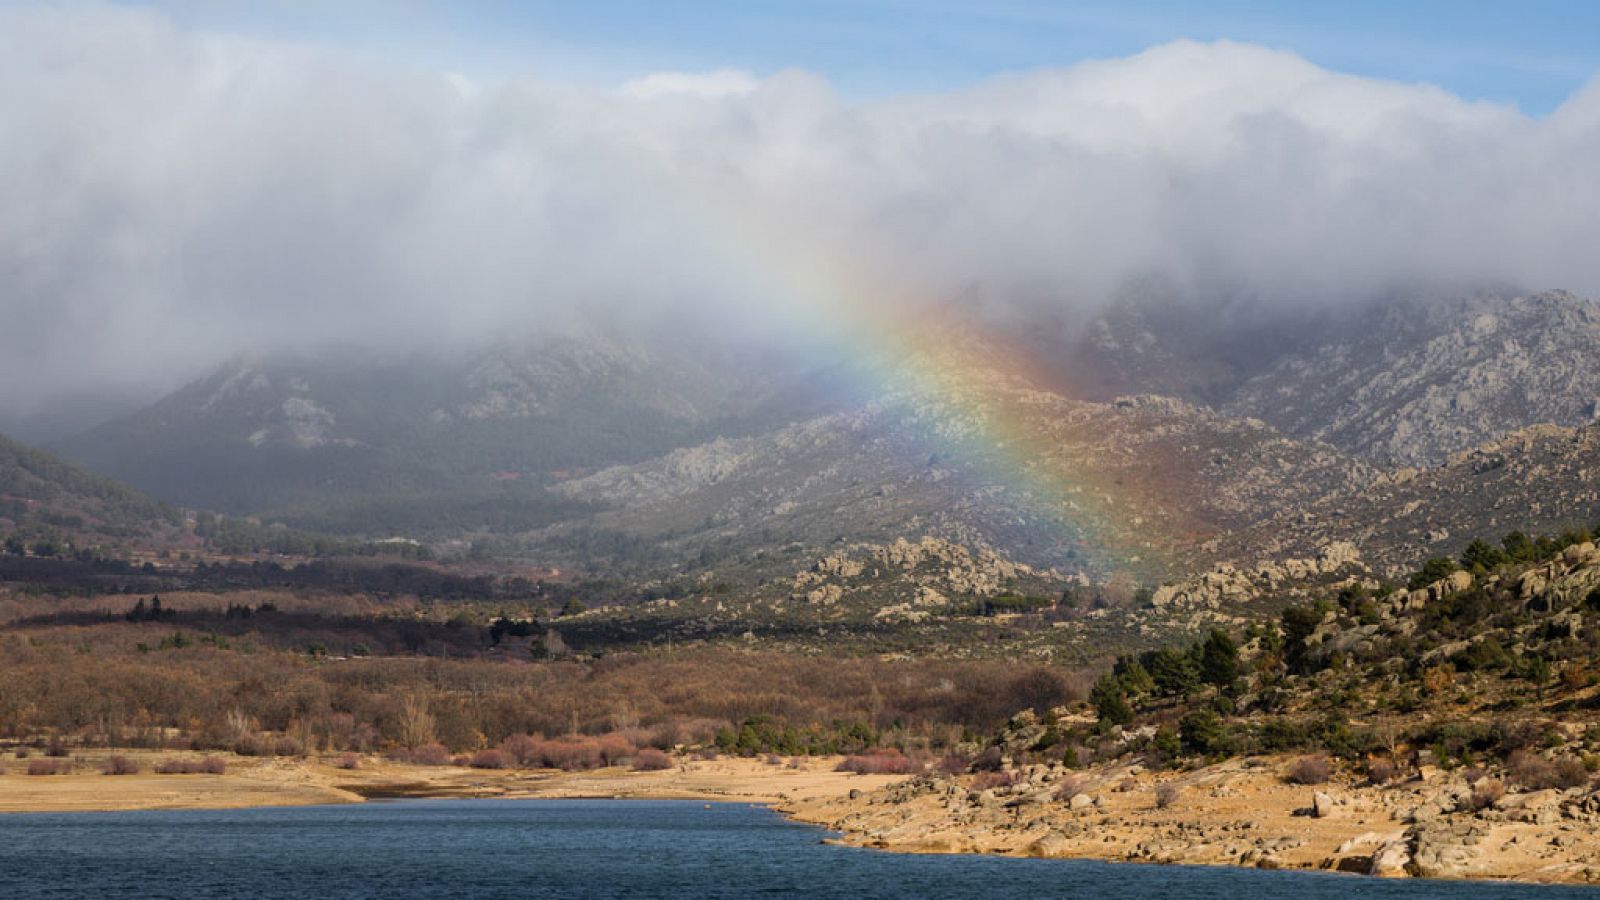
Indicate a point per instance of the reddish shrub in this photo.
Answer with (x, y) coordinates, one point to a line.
(49, 767)
(347, 761)
(986, 781)
(491, 759)
(522, 748)
(429, 755)
(1533, 772)
(990, 760)
(1570, 773)
(614, 749)
(1071, 786)
(953, 763)
(119, 765)
(22, 753)
(879, 761)
(569, 755)
(650, 759)
(1382, 771)
(210, 765)
(1309, 770)
(1166, 794)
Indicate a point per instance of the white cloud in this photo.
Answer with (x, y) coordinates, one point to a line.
(718, 83)
(173, 197)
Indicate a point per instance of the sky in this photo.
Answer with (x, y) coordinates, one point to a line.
(1532, 54)
(186, 182)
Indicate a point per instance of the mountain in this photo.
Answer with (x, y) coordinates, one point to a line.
(1544, 478)
(1244, 435)
(1405, 380)
(1147, 481)
(42, 496)
(356, 441)
(1410, 385)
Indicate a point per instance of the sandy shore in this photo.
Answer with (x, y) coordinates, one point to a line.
(296, 782)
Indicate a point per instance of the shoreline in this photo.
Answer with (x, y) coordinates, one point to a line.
(1238, 813)
(260, 782)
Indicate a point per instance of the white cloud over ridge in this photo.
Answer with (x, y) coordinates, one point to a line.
(172, 198)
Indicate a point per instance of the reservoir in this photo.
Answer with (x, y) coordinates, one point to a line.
(577, 848)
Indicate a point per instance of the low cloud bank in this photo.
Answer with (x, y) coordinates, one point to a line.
(174, 198)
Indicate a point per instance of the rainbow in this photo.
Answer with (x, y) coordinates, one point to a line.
(980, 395)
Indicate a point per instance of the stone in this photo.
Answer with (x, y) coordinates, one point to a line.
(1323, 805)
(1391, 859)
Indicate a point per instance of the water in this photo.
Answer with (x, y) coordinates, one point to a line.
(574, 848)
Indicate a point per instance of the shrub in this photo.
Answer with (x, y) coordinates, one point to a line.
(429, 755)
(986, 781)
(1570, 772)
(1309, 770)
(56, 750)
(119, 765)
(990, 760)
(1071, 786)
(879, 761)
(953, 763)
(568, 755)
(614, 749)
(1486, 791)
(22, 753)
(210, 765)
(1382, 771)
(1166, 794)
(650, 759)
(1533, 772)
(490, 759)
(347, 761)
(49, 767)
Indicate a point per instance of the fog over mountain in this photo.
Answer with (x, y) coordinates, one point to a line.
(175, 198)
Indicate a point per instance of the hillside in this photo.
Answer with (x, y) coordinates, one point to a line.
(1449, 728)
(45, 498)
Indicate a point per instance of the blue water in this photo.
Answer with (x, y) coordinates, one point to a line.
(573, 848)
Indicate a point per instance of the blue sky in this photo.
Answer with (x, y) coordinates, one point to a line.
(1533, 54)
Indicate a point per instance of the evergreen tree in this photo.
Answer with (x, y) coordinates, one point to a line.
(1219, 660)
(1110, 704)
(1482, 555)
(1173, 672)
(1135, 678)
